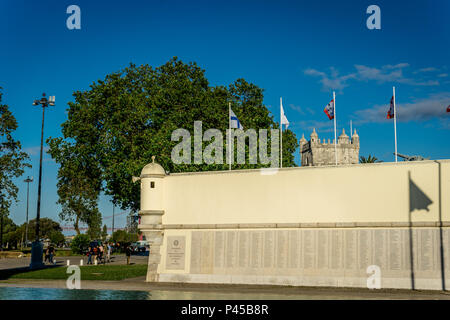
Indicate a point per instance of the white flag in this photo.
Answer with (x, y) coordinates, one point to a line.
(234, 121)
(284, 120)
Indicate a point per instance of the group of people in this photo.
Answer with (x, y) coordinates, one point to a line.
(97, 252)
(100, 253)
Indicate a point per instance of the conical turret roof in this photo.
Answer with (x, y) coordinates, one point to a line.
(343, 135)
(153, 169)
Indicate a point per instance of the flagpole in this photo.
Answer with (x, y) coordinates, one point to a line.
(335, 139)
(351, 129)
(229, 135)
(395, 124)
(281, 135)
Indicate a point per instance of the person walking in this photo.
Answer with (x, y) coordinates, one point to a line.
(128, 253)
(108, 252)
(89, 254)
(47, 255)
(101, 253)
(95, 253)
(51, 253)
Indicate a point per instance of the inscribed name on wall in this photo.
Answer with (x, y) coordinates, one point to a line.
(318, 251)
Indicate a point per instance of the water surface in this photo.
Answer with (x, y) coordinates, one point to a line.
(15, 293)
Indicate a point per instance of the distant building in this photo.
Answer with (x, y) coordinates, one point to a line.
(317, 153)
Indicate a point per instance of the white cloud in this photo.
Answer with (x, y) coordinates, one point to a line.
(365, 73)
(32, 151)
(397, 66)
(334, 81)
(429, 69)
(419, 110)
(306, 127)
(300, 110)
(387, 73)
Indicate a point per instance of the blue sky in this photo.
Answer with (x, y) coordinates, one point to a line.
(300, 50)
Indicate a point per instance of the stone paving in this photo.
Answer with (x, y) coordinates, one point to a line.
(179, 291)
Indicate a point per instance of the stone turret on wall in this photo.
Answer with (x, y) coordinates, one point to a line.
(316, 153)
(152, 210)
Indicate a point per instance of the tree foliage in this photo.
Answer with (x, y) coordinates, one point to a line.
(115, 127)
(15, 235)
(94, 221)
(79, 243)
(124, 237)
(12, 158)
(47, 227)
(104, 232)
(369, 159)
(56, 237)
(78, 181)
(10, 233)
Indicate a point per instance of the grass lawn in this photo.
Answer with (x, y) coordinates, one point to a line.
(100, 272)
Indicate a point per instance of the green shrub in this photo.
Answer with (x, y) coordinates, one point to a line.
(63, 253)
(79, 243)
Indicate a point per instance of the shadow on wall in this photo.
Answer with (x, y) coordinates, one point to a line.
(418, 200)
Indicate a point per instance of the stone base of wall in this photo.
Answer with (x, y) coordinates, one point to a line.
(312, 281)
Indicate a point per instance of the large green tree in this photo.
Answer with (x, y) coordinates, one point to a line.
(10, 234)
(115, 127)
(47, 227)
(13, 160)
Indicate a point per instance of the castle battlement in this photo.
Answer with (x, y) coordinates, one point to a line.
(317, 153)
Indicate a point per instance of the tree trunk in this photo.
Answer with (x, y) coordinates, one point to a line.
(1, 232)
(77, 229)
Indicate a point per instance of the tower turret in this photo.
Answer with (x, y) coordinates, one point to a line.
(152, 176)
(355, 138)
(151, 213)
(302, 141)
(343, 138)
(314, 136)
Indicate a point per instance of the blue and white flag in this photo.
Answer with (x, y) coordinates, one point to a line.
(234, 121)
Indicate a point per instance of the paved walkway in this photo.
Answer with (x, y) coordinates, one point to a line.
(11, 263)
(210, 291)
(178, 291)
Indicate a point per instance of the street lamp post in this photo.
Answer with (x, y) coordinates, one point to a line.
(37, 248)
(112, 233)
(27, 180)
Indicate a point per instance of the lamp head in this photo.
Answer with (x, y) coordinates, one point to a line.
(135, 179)
(28, 179)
